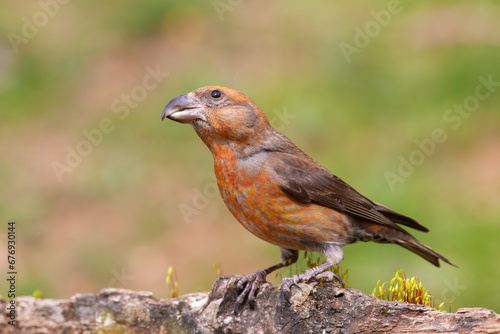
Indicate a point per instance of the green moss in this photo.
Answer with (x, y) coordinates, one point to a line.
(172, 283)
(407, 290)
(37, 294)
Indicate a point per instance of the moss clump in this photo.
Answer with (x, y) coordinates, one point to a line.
(172, 283)
(37, 294)
(404, 289)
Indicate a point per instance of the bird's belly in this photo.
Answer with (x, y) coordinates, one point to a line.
(266, 211)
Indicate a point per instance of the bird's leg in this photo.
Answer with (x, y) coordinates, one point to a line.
(334, 256)
(251, 282)
(314, 274)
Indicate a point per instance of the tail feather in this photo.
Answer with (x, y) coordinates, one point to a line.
(424, 251)
(399, 218)
(384, 234)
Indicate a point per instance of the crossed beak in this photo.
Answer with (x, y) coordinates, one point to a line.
(183, 109)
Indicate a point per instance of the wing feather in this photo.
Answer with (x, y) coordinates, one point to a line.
(306, 181)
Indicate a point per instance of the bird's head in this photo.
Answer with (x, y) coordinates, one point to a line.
(219, 115)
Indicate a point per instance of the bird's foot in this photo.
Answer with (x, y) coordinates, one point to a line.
(309, 276)
(249, 283)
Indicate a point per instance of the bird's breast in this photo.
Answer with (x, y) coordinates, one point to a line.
(249, 189)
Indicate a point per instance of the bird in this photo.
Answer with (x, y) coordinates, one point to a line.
(283, 196)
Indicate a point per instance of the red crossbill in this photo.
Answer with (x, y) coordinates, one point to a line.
(280, 194)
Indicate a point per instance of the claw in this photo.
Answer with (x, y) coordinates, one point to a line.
(337, 277)
(250, 284)
(287, 282)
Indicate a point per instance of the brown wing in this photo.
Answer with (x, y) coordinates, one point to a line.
(307, 181)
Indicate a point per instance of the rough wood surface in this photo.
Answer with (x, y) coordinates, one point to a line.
(311, 308)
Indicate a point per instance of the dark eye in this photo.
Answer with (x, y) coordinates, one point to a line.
(216, 94)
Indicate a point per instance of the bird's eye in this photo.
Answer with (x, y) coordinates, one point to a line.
(216, 94)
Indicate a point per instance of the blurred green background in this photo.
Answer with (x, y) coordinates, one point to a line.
(140, 197)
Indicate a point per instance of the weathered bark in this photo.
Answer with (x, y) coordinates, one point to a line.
(312, 308)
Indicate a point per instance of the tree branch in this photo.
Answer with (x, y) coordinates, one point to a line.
(312, 308)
